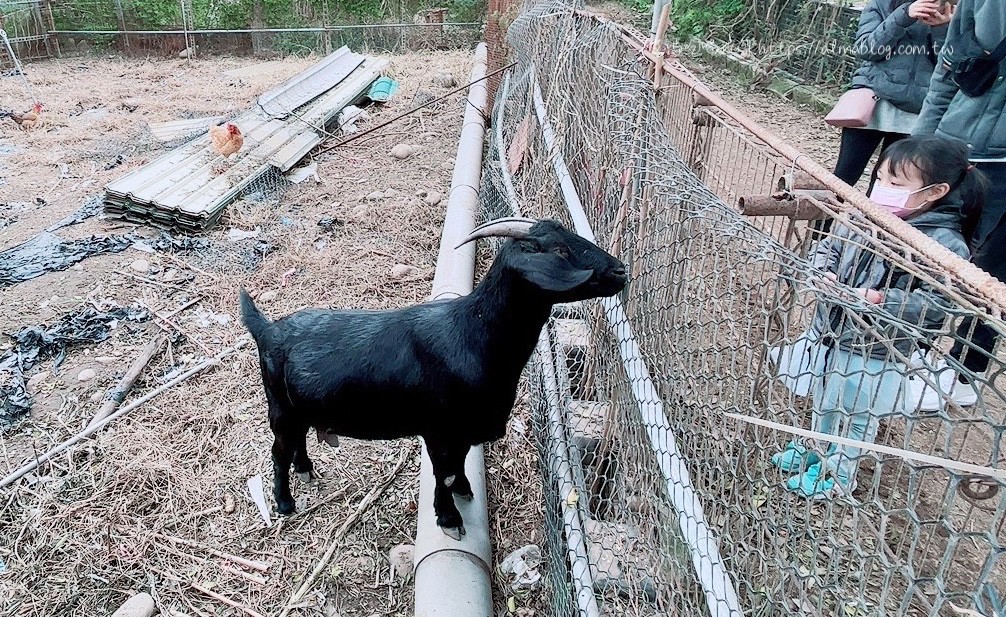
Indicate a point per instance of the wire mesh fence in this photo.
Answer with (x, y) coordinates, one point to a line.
(662, 411)
(25, 32)
(175, 26)
(811, 40)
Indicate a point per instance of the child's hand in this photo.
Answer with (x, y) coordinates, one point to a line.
(870, 295)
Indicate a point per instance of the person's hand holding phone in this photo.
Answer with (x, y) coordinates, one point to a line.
(924, 10)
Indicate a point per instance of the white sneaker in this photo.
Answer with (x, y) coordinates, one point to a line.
(923, 397)
(920, 396)
(964, 394)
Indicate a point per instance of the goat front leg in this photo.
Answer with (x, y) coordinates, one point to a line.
(448, 516)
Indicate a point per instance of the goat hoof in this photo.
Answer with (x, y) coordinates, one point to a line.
(454, 533)
(285, 508)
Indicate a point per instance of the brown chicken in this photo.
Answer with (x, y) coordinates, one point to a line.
(29, 119)
(227, 139)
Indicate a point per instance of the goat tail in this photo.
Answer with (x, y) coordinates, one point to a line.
(253, 319)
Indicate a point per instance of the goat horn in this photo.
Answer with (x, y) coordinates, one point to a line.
(509, 227)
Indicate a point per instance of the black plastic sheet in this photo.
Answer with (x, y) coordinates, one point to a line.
(47, 252)
(34, 345)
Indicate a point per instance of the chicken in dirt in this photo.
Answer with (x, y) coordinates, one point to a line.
(227, 139)
(27, 120)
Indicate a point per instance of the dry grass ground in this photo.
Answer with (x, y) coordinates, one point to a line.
(154, 502)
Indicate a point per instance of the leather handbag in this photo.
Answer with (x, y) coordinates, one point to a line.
(854, 109)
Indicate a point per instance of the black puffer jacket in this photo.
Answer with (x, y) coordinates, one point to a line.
(898, 53)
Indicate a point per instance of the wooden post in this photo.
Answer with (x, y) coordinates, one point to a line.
(658, 46)
(122, 22)
(52, 27)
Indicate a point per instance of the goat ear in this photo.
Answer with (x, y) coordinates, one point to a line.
(551, 272)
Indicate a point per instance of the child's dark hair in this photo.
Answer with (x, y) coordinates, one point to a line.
(941, 160)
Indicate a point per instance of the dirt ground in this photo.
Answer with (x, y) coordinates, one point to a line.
(160, 501)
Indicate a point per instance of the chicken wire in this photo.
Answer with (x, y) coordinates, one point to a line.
(657, 502)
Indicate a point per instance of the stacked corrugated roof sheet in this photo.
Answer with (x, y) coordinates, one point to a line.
(189, 187)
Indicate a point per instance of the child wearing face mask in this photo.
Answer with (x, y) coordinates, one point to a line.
(928, 182)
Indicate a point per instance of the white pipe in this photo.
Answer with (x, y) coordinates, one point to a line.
(453, 577)
(558, 450)
(721, 597)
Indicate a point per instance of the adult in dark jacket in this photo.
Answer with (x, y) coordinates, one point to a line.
(898, 42)
(978, 27)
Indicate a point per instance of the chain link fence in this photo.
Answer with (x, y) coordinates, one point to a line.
(660, 410)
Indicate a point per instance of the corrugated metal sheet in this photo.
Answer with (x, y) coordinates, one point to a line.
(176, 129)
(189, 187)
(308, 85)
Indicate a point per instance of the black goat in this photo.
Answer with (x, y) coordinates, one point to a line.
(445, 370)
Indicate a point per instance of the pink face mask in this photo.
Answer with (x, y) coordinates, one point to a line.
(894, 199)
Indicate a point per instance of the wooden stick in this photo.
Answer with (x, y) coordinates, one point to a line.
(181, 308)
(623, 210)
(87, 432)
(328, 499)
(255, 578)
(212, 594)
(185, 264)
(374, 494)
(241, 561)
(118, 393)
(191, 515)
(150, 281)
(917, 457)
(658, 45)
(173, 326)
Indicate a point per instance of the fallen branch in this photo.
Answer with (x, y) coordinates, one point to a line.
(185, 264)
(150, 281)
(241, 561)
(87, 432)
(181, 308)
(167, 325)
(255, 578)
(327, 499)
(212, 594)
(192, 515)
(121, 389)
(374, 494)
